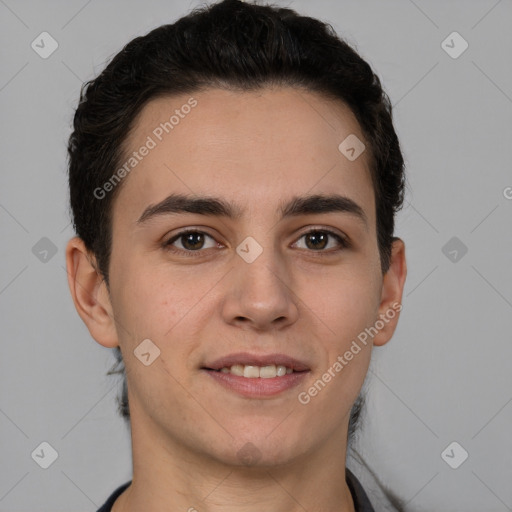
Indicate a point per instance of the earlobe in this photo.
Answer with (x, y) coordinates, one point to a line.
(90, 294)
(391, 297)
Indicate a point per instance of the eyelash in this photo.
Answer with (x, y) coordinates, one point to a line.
(344, 243)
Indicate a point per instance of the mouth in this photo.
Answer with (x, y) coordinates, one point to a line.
(254, 372)
(257, 376)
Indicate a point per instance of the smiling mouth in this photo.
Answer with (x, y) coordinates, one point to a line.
(258, 382)
(254, 372)
(257, 376)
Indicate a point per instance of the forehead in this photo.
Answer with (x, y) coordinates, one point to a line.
(253, 148)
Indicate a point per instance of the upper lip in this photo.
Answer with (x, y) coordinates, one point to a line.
(244, 358)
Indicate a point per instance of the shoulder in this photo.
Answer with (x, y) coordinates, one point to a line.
(107, 506)
(361, 500)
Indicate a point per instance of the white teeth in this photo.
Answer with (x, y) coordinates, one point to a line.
(282, 370)
(237, 369)
(268, 372)
(253, 372)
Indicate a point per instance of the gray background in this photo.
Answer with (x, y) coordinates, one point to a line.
(446, 376)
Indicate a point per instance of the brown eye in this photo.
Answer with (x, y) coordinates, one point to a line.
(189, 241)
(192, 241)
(318, 240)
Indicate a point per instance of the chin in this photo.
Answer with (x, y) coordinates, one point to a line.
(262, 451)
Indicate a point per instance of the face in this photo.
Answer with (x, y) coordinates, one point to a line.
(260, 277)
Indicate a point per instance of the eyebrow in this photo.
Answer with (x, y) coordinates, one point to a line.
(213, 206)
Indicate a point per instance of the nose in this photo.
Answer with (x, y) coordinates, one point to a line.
(260, 294)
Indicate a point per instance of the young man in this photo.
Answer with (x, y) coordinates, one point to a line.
(234, 179)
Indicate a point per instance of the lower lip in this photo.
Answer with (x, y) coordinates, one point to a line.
(258, 387)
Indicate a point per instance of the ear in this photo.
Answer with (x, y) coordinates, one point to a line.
(391, 296)
(90, 293)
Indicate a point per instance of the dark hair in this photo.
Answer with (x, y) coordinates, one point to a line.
(236, 46)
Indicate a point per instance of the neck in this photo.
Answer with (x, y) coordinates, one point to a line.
(170, 477)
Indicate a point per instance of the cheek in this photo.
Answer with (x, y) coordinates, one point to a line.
(145, 305)
(161, 304)
(345, 304)
(347, 309)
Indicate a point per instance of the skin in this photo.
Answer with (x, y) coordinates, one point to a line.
(257, 150)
